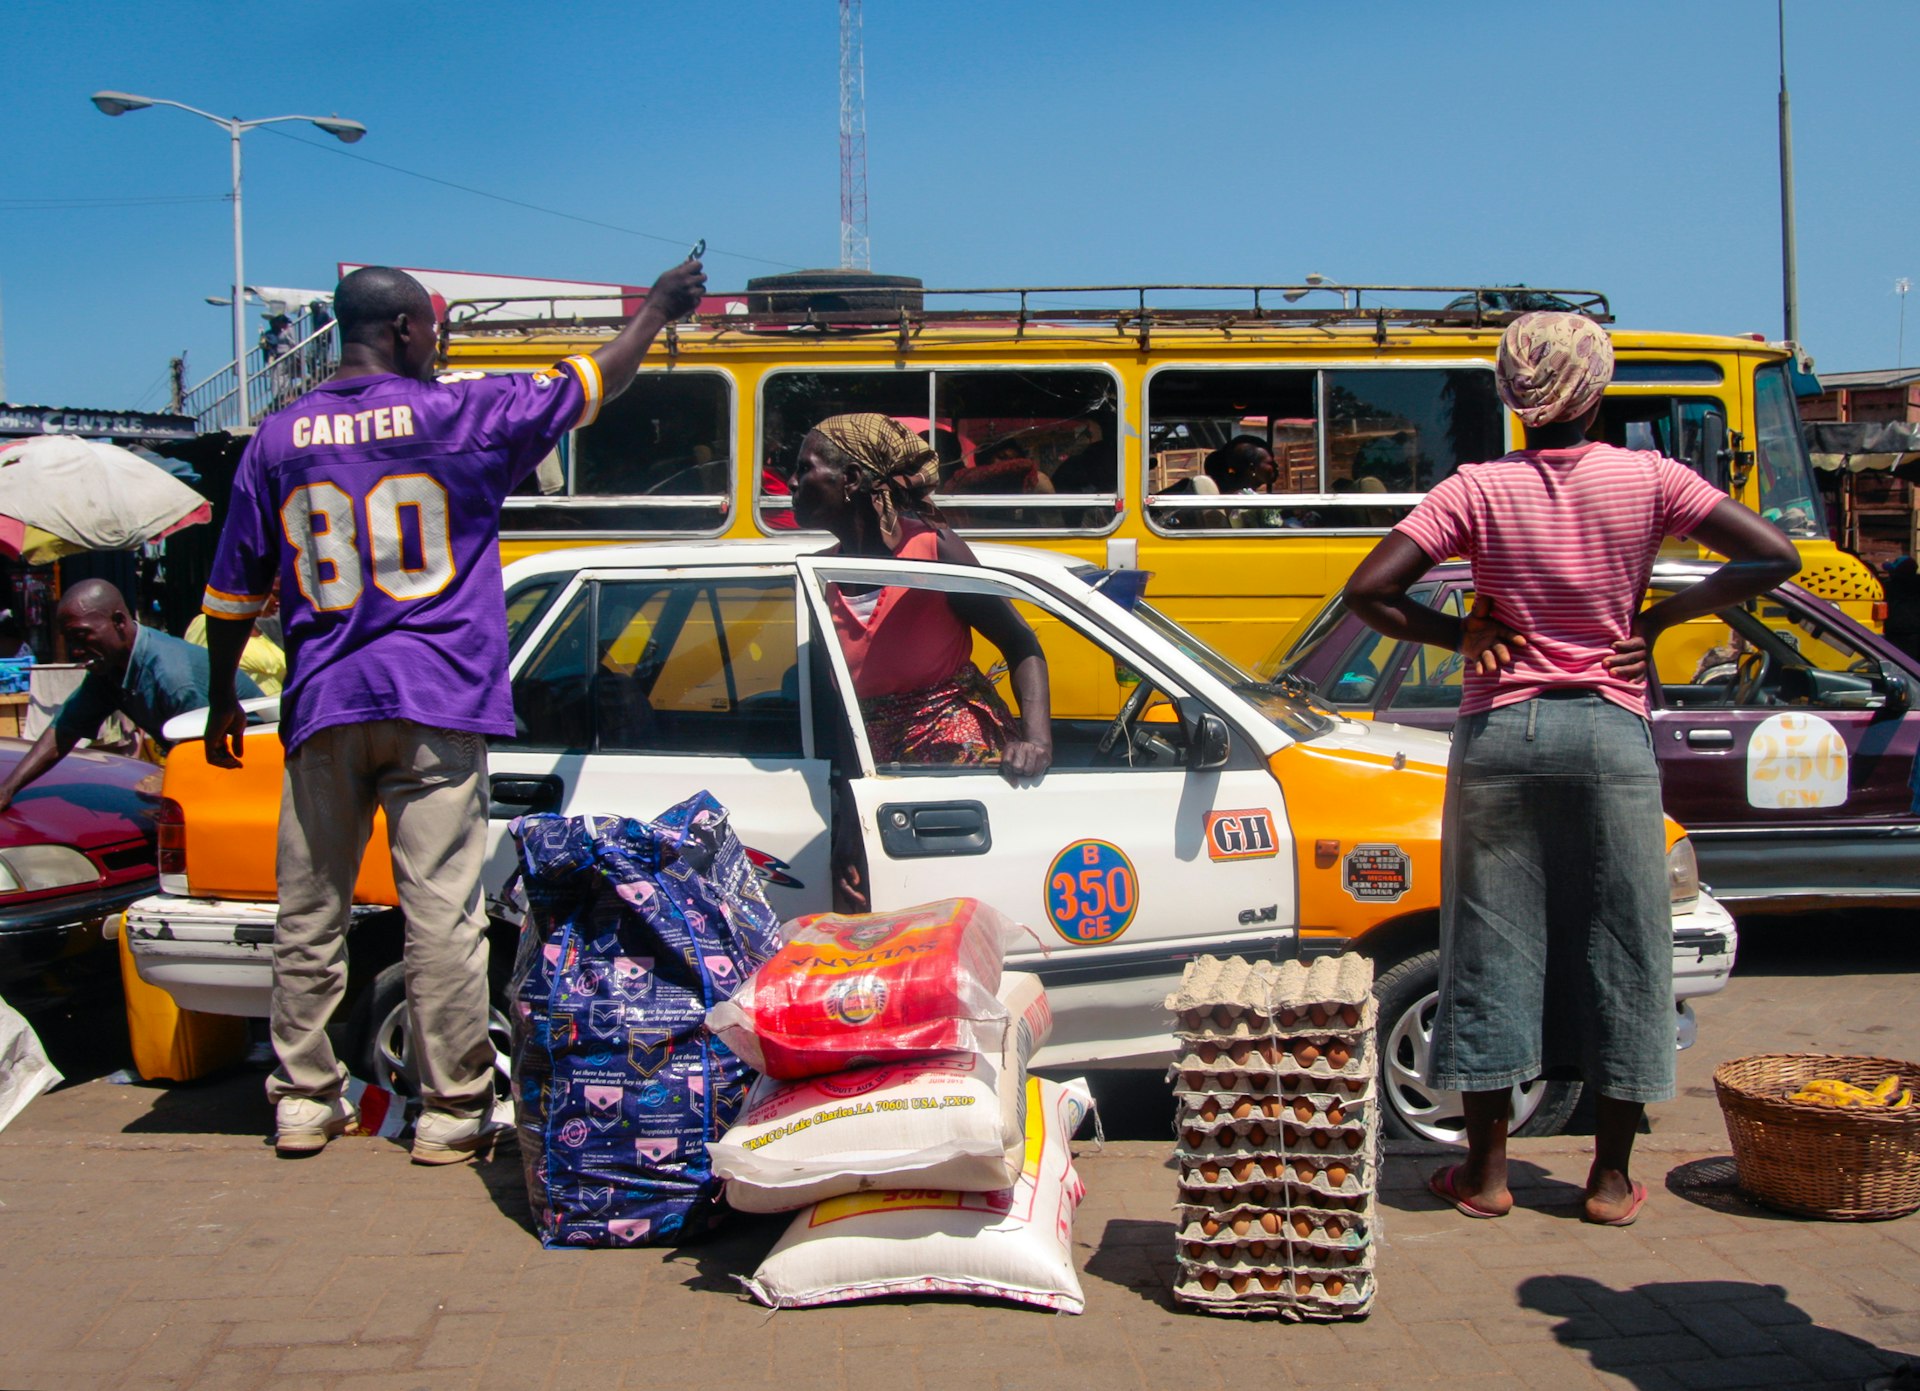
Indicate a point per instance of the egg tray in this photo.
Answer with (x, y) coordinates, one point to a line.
(1266, 987)
(1232, 1024)
(1353, 1301)
(1247, 1036)
(1273, 1107)
(1241, 1257)
(1355, 1185)
(1273, 1137)
(1224, 1078)
(1266, 1194)
(1356, 1228)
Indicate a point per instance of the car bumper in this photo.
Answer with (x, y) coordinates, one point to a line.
(210, 955)
(54, 932)
(1705, 942)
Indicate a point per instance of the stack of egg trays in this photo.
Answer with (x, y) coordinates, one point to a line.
(1278, 1145)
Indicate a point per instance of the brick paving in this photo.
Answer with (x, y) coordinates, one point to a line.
(149, 1238)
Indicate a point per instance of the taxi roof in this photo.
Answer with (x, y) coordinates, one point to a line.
(1031, 562)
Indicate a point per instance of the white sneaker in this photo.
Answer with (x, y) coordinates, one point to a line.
(303, 1125)
(444, 1138)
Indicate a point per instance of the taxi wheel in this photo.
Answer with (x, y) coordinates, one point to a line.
(1408, 996)
(382, 1052)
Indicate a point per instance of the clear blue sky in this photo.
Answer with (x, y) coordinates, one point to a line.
(1627, 146)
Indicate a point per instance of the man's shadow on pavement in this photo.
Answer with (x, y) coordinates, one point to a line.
(1702, 1333)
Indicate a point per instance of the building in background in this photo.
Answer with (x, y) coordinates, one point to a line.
(1863, 431)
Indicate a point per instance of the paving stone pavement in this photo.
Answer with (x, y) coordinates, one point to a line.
(149, 1238)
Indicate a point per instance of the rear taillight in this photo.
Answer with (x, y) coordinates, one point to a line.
(170, 824)
(1879, 610)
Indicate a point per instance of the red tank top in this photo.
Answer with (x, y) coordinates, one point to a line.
(913, 639)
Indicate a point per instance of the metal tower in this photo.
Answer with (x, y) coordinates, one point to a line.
(854, 251)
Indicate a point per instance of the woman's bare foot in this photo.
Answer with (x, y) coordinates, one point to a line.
(1612, 1199)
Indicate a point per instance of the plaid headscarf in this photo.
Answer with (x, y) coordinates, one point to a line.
(1553, 367)
(893, 467)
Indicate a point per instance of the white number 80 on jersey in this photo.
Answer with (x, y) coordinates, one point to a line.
(320, 524)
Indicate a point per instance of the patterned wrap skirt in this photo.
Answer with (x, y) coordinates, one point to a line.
(959, 721)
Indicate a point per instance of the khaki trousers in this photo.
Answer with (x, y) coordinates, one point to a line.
(432, 785)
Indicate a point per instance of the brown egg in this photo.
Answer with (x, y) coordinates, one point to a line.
(1334, 1227)
(1270, 1165)
(1318, 1014)
(1196, 1250)
(1289, 1136)
(1320, 1139)
(1209, 1110)
(1268, 1050)
(1223, 1016)
(1242, 1170)
(1209, 1052)
(1210, 1172)
(1301, 1226)
(1334, 1286)
(1356, 1085)
(1257, 1195)
(1338, 1055)
(1303, 1170)
(1305, 1054)
(1303, 1284)
(1350, 1015)
(1336, 1113)
(1354, 1257)
(1239, 1283)
(1257, 1136)
(1194, 1080)
(1210, 1225)
(1269, 1280)
(1337, 1175)
(1303, 1109)
(1287, 1017)
(1353, 1138)
(1269, 1222)
(1209, 1280)
(1259, 1081)
(1194, 1139)
(1239, 1053)
(1242, 1108)
(1270, 1108)
(1256, 1250)
(1242, 1225)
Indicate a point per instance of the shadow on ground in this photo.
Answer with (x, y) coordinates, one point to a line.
(1733, 1332)
(1137, 1256)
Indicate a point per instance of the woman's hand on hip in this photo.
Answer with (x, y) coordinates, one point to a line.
(1488, 644)
(1628, 661)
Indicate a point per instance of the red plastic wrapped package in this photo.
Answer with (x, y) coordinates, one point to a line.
(853, 990)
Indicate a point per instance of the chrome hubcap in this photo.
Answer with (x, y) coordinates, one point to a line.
(393, 1049)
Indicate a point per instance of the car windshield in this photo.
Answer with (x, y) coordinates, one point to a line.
(1286, 703)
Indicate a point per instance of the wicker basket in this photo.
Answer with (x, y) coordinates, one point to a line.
(1848, 1165)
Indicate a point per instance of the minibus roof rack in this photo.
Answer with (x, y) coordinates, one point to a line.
(1129, 309)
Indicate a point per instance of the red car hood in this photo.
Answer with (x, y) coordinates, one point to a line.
(85, 800)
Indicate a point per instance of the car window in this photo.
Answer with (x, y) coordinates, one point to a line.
(1771, 652)
(684, 666)
(1432, 678)
(523, 603)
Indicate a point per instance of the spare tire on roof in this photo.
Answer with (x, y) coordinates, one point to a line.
(833, 292)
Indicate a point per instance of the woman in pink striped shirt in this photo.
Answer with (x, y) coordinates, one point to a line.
(1556, 953)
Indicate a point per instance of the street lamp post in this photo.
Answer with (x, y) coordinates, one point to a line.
(120, 103)
(1900, 288)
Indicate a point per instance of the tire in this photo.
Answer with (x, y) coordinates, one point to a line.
(1408, 994)
(380, 1050)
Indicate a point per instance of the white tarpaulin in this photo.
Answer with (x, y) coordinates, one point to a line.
(24, 1069)
(87, 495)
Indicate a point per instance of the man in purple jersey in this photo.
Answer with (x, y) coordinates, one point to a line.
(375, 498)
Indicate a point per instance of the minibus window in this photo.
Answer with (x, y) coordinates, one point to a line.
(658, 459)
(1348, 446)
(1787, 496)
(1669, 425)
(1016, 447)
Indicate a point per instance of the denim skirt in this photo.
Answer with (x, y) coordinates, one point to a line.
(1556, 932)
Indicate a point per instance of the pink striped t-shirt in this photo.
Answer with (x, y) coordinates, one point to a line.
(1563, 542)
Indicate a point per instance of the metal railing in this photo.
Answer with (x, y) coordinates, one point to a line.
(275, 378)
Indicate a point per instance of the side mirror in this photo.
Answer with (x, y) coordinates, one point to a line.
(1212, 744)
(1713, 456)
(1899, 695)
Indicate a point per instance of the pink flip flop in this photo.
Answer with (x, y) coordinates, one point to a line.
(1440, 1183)
(1626, 1218)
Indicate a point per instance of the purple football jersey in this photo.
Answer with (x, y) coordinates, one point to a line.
(376, 500)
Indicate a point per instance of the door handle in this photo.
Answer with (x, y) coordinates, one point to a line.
(1709, 738)
(517, 794)
(922, 830)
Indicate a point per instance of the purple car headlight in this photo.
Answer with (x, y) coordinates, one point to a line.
(34, 868)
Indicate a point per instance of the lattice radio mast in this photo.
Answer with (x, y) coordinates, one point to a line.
(854, 251)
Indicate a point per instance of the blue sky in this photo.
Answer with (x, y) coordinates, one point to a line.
(1628, 147)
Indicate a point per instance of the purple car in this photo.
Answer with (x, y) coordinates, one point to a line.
(1785, 731)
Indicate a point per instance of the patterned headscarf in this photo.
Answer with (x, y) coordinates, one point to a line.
(1553, 367)
(893, 467)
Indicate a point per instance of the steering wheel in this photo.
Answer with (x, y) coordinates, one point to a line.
(1130, 709)
(1755, 666)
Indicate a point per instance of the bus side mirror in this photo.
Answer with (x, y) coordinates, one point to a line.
(1713, 456)
(1212, 744)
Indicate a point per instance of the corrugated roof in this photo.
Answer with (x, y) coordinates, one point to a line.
(1880, 376)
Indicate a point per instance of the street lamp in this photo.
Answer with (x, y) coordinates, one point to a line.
(1900, 288)
(1315, 281)
(345, 131)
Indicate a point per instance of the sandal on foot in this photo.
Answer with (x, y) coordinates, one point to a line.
(1441, 1183)
(1626, 1218)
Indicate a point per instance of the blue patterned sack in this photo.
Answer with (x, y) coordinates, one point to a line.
(634, 930)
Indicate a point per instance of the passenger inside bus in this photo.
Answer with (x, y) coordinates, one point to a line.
(1240, 467)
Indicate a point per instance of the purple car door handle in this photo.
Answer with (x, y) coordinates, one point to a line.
(1709, 738)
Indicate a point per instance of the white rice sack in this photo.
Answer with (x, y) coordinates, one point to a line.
(1015, 1245)
(956, 1121)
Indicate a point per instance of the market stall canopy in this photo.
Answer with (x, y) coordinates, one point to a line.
(60, 495)
(1856, 446)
